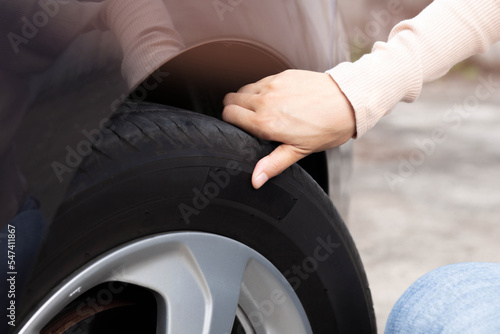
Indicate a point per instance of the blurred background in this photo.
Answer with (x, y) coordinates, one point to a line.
(420, 200)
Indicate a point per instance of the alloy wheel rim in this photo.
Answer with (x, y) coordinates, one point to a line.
(201, 282)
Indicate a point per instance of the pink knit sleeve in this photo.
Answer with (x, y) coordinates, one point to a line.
(418, 50)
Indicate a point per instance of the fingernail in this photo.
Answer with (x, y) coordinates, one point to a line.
(260, 180)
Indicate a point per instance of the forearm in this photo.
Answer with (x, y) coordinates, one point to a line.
(418, 51)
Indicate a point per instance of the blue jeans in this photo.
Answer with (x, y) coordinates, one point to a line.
(458, 298)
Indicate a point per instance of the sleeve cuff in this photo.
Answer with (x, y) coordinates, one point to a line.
(378, 81)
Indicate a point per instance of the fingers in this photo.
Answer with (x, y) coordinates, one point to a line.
(250, 89)
(242, 118)
(275, 163)
(244, 100)
(256, 87)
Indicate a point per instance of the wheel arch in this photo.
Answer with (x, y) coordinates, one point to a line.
(198, 78)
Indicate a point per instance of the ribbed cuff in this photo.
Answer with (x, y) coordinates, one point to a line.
(378, 81)
(418, 51)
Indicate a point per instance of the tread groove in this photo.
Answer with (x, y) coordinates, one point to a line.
(125, 141)
(97, 150)
(146, 135)
(224, 136)
(167, 135)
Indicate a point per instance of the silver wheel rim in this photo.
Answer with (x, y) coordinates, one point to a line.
(201, 283)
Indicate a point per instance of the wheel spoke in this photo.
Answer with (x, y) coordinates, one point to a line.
(200, 282)
(197, 284)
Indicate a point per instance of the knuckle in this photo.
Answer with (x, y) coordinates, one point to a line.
(260, 101)
(278, 164)
(273, 84)
(228, 112)
(228, 98)
(227, 109)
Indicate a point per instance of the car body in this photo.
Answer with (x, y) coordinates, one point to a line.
(242, 43)
(68, 75)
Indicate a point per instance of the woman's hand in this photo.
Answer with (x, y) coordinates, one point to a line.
(305, 111)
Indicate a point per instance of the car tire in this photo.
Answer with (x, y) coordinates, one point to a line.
(157, 171)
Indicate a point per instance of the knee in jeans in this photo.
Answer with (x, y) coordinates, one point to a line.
(450, 295)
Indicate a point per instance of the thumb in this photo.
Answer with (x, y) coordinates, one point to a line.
(276, 162)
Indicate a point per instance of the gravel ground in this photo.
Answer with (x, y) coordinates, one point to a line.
(426, 187)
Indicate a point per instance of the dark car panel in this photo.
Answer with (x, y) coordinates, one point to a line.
(68, 88)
